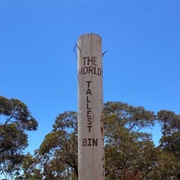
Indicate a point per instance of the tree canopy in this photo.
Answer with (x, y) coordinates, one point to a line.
(130, 152)
(15, 119)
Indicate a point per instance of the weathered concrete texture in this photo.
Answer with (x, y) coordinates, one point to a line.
(90, 109)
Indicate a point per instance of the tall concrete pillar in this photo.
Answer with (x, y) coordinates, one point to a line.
(90, 108)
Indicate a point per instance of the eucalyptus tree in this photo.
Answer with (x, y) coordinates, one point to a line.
(129, 150)
(15, 120)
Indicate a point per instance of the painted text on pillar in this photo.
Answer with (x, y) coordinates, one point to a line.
(90, 108)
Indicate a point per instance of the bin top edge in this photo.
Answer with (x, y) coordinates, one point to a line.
(89, 34)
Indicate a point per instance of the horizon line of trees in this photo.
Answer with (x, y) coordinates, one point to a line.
(130, 153)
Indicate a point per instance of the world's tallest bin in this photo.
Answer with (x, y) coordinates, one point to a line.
(90, 108)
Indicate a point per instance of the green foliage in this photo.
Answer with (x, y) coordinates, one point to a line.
(123, 143)
(129, 151)
(170, 122)
(59, 148)
(15, 119)
(16, 112)
(133, 117)
(29, 166)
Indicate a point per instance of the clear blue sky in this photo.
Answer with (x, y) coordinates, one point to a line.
(38, 65)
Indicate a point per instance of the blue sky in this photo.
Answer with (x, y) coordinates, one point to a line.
(38, 65)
